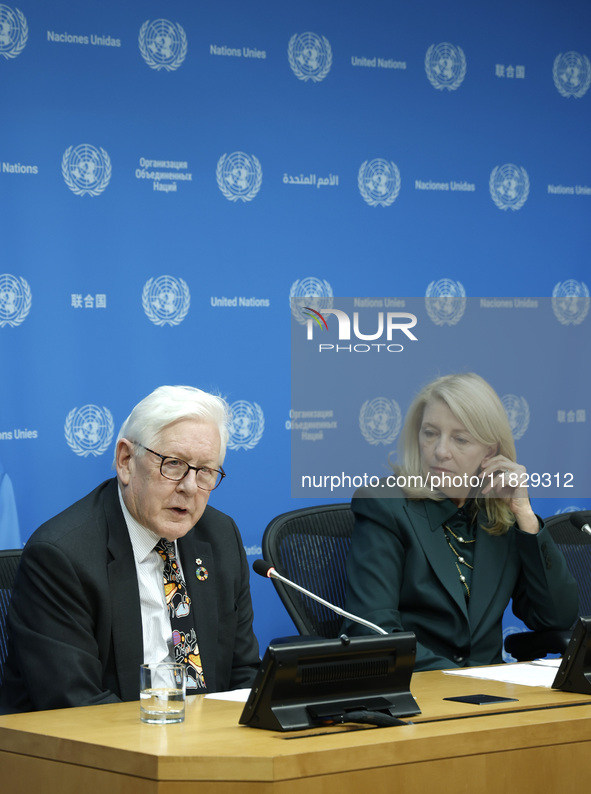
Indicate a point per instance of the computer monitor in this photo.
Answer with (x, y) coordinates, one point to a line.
(574, 673)
(312, 682)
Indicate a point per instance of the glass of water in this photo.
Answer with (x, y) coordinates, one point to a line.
(162, 693)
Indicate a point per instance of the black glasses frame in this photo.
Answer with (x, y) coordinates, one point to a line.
(196, 469)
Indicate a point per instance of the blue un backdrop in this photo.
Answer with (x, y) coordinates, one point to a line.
(171, 173)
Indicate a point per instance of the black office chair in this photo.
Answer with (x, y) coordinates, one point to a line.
(309, 546)
(576, 547)
(9, 560)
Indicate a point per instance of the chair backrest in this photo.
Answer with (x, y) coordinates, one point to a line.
(309, 546)
(576, 547)
(9, 560)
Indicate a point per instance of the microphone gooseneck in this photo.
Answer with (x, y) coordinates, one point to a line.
(264, 568)
(579, 520)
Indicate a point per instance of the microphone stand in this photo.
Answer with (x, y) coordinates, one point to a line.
(366, 716)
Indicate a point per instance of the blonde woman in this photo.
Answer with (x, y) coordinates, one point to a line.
(443, 545)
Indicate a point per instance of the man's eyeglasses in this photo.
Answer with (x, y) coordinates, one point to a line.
(176, 469)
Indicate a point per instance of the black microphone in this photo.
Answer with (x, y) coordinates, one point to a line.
(578, 521)
(264, 568)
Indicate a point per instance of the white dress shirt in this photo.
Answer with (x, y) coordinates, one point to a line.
(149, 565)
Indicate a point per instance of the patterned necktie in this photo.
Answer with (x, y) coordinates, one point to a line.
(184, 637)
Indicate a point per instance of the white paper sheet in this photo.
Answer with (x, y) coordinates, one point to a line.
(540, 673)
(237, 695)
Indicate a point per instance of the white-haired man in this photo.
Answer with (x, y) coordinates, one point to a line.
(99, 584)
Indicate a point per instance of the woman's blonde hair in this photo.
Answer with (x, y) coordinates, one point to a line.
(477, 406)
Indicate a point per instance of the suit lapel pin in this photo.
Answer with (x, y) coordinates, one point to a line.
(201, 573)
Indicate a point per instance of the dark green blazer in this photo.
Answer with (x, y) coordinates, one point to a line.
(402, 575)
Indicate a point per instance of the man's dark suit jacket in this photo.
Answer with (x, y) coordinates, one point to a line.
(402, 575)
(75, 619)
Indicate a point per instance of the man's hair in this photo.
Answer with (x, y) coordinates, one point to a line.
(168, 404)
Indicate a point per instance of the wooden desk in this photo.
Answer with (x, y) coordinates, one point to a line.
(108, 749)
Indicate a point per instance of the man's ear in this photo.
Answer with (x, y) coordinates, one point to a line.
(123, 458)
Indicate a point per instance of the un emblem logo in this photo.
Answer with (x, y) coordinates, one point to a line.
(163, 44)
(310, 56)
(572, 74)
(509, 186)
(380, 420)
(86, 169)
(517, 411)
(89, 430)
(310, 292)
(570, 301)
(247, 425)
(166, 300)
(569, 509)
(239, 176)
(445, 66)
(379, 182)
(445, 301)
(15, 300)
(14, 31)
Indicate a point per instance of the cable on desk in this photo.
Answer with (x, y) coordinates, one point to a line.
(377, 718)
